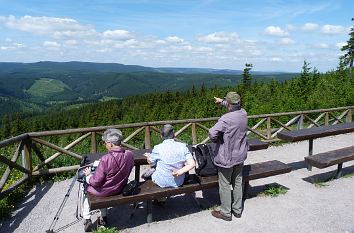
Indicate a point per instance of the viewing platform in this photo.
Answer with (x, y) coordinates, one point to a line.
(309, 205)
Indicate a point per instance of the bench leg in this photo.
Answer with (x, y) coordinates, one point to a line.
(339, 171)
(149, 211)
(137, 173)
(310, 146)
(309, 167)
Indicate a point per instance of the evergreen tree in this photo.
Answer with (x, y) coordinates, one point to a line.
(348, 57)
(246, 76)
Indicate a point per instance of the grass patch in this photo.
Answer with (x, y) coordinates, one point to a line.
(274, 190)
(46, 87)
(106, 230)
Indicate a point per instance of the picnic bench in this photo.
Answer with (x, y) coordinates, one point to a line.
(330, 158)
(150, 191)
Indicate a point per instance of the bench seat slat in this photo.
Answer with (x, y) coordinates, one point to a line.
(317, 132)
(330, 158)
(150, 191)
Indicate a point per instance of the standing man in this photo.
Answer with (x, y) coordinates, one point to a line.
(110, 176)
(230, 136)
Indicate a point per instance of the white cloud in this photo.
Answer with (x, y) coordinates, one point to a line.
(174, 39)
(56, 27)
(332, 29)
(71, 42)
(204, 49)
(275, 31)
(161, 42)
(220, 37)
(12, 46)
(341, 44)
(286, 41)
(51, 45)
(290, 27)
(309, 27)
(322, 46)
(276, 59)
(118, 35)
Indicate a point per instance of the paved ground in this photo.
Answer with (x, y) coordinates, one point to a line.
(304, 208)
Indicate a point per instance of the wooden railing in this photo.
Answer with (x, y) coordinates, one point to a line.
(145, 134)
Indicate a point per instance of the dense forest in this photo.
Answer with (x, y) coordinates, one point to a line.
(309, 90)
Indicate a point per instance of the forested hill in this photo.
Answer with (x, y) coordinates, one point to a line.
(31, 87)
(310, 90)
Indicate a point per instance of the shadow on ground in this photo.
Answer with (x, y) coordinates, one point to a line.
(255, 191)
(25, 207)
(298, 165)
(328, 176)
(126, 216)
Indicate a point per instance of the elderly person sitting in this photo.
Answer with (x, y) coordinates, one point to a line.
(110, 176)
(171, 158)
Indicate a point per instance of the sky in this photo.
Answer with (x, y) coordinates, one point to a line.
(273, 35)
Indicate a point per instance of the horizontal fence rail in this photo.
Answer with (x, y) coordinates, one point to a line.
(31, 157)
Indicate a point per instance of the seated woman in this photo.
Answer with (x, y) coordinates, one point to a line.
(171, 159)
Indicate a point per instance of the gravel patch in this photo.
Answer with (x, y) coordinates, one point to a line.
(304, 208)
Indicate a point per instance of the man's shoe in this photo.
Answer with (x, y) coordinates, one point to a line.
(102, 222)
(87, 225)
(218, 214)
(236, 215)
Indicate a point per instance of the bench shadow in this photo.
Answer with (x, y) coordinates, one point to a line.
(126, 216)
(298, 165)
(24, 207)
(328, 176)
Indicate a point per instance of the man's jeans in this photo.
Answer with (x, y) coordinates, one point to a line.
(230, 176)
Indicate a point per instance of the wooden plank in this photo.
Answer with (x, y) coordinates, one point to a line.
(327, 159)
(149, 190)
(312, 133)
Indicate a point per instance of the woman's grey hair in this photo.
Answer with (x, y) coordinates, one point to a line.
(113, 136)
(167, 132)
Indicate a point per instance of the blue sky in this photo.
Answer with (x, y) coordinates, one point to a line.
(273, 35)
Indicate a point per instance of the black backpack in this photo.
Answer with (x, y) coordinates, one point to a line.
(203, 155)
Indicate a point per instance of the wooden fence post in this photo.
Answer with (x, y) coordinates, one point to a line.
(349, 115)
(269, 128)
(326, 118)
(93, 143)
(147, 137)
(27, 156)
(194, 134)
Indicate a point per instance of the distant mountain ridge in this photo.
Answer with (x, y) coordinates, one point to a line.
(114, 67)
(41, 84)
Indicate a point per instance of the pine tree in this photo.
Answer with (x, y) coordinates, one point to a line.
(348, 57)
(246, 76)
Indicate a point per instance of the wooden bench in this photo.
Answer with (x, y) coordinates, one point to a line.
(330, 158)
(318, 132)
(150, 191)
